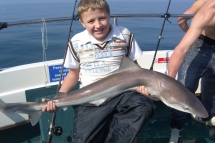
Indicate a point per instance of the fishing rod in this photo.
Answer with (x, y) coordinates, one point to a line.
(58, 130)
(75, 17)
(166, 16)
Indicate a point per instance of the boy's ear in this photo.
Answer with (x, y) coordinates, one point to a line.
(82, 23)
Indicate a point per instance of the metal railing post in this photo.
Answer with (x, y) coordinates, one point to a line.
(115, 21)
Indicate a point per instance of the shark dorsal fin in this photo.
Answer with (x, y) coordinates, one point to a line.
(126, 63)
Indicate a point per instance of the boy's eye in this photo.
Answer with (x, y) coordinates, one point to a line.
(91, 21)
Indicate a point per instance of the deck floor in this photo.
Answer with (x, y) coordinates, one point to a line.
(157, 129)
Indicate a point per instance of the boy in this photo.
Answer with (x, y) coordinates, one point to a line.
(94, 54)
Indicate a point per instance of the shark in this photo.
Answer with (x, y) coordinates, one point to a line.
(129, 76)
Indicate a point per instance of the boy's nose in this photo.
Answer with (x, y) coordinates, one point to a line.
(98, 24)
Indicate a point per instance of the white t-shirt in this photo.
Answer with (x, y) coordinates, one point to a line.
(98, 60)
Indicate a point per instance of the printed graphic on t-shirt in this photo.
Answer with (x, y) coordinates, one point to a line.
(96, 67)
(87, 55)
(91, 55)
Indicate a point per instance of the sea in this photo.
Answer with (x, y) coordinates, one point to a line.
(23, 44)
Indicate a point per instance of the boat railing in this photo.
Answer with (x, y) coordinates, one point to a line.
(75, 17)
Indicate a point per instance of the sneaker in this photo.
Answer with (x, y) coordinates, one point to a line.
(175, 136)
(211, 122)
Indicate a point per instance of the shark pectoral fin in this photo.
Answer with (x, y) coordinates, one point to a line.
(98, 102)
(153, 97)
(34, 116)
(64, 108)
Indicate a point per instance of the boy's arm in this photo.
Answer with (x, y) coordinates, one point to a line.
(70, 80)
(68, 84)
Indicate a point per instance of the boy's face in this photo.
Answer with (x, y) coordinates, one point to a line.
(97, 23)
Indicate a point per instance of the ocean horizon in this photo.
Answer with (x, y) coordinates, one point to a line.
(23, 44)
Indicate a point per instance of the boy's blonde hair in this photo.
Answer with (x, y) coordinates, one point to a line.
(85, 5)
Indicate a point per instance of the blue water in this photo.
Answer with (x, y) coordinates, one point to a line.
(22, 44)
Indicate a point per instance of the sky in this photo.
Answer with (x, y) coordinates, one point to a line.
(55, 1)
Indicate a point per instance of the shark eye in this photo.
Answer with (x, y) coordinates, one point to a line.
(185, 108)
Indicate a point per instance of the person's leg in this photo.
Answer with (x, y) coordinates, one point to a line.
(212, 80)
(132, 112)
(92, 123)
(207, 87)
(177, 119)
(189, 75)
(190, 72)
(208, 96)
(208, 92)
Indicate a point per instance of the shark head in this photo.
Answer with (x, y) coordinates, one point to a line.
(189, 104)
(165, 88)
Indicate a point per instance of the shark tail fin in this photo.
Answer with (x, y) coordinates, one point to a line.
(11, 108)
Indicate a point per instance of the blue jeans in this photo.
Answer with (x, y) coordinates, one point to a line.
(199, 62)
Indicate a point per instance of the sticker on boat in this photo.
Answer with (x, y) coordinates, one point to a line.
(55, 71)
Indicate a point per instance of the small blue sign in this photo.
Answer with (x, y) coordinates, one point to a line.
(55, 72)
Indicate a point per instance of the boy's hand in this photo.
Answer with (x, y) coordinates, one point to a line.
(143, 90)
(49, 107)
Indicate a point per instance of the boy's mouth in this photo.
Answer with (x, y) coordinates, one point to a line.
(99, 31)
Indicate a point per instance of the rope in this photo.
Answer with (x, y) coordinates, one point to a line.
(44, 46)
(44, 38)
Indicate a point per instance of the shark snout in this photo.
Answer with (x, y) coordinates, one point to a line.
(189, 104)
(200, 111)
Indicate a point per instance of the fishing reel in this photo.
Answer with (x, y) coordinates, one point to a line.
(53, 130)
(57, 130)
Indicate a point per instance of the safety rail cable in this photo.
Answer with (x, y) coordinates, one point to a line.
(75, 17)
